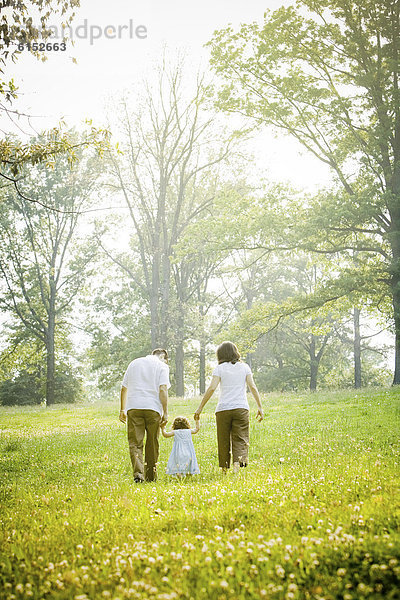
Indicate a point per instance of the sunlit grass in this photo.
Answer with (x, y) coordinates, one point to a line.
(315, 514)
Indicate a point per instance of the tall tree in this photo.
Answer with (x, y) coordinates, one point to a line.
(327, 73)
(167, 176)
(41, 270)
(117, 318)
(22, 22)
(272, 282)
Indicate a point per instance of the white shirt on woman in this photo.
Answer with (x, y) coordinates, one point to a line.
(143, 378)
(232, 385)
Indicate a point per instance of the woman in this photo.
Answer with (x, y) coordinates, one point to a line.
(232, 411)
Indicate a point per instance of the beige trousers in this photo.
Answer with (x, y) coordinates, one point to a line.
(233, 433)
(141, 422)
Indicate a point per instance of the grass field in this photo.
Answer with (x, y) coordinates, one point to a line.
(315, 515)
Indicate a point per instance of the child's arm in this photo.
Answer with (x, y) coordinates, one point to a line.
(166, 434)
(254, 391)
(196, 429)
(211, 389)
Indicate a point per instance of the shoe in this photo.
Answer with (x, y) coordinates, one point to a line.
(138, 480)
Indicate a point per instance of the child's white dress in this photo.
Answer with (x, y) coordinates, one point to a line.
(182, 460)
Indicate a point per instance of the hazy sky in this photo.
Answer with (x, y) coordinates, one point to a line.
(60, 87)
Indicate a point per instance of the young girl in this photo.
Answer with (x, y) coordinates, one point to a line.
(182, 460)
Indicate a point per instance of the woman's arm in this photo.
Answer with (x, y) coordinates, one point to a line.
(166, 434)
(209, 392)
(196, 429)
(254, 391)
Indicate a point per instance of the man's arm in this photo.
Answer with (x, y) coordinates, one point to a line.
(166, 434)
(211, 389)
(122, 415)
(254, 391)
(163, 395)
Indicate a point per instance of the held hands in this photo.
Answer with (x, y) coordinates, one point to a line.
(164, 420)
(260, 415)
(196, 416)
(122, 416)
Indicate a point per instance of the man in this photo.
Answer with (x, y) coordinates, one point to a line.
(144, 405)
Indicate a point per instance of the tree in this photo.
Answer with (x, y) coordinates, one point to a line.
(167, 175)
(23, 370)
(17, 25)
(118, 322)
(327, 74)
(303, 337)
(42, 272)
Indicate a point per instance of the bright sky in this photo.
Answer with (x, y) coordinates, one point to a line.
(60, 88)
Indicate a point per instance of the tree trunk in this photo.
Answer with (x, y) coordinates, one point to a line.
(154, 324)
(164, 307)
(179, 377)
(249, 305)
(357, 348)
(396, 312)
(154, 298)
(313, 375)
(394, 238)
(50, 356)
(202, 378)
(314, 364)
(179, 357)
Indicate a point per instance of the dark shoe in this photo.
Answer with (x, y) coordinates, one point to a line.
(138, 480)
(243, 464)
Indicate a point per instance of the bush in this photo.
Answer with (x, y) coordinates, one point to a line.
(29, 388)
(21, 390)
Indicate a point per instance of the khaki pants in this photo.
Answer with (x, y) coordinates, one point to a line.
(141, 421)
(232, 430)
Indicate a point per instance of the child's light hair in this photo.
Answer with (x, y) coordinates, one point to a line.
(180, 423)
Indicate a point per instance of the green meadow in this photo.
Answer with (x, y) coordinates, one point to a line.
(315, 515)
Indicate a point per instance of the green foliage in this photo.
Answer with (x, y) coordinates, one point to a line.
(340, 284)
(15, 155)
(28, 20)
(23, 369)
(28, 387)
(314, 515)
(25, 21)
(38, 261)
(120, 329)
(326, 73)
(45, 259)
(21, 22)
(280, 362)
(68, 387)
(323, 72)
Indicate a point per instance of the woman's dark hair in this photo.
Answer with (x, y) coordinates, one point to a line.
(180, 423)
(227, 352)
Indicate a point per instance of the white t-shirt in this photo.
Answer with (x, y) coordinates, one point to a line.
(233, 385)
(143, 378)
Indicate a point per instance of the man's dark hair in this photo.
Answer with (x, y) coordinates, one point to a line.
(160, 352)
(227, 352)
